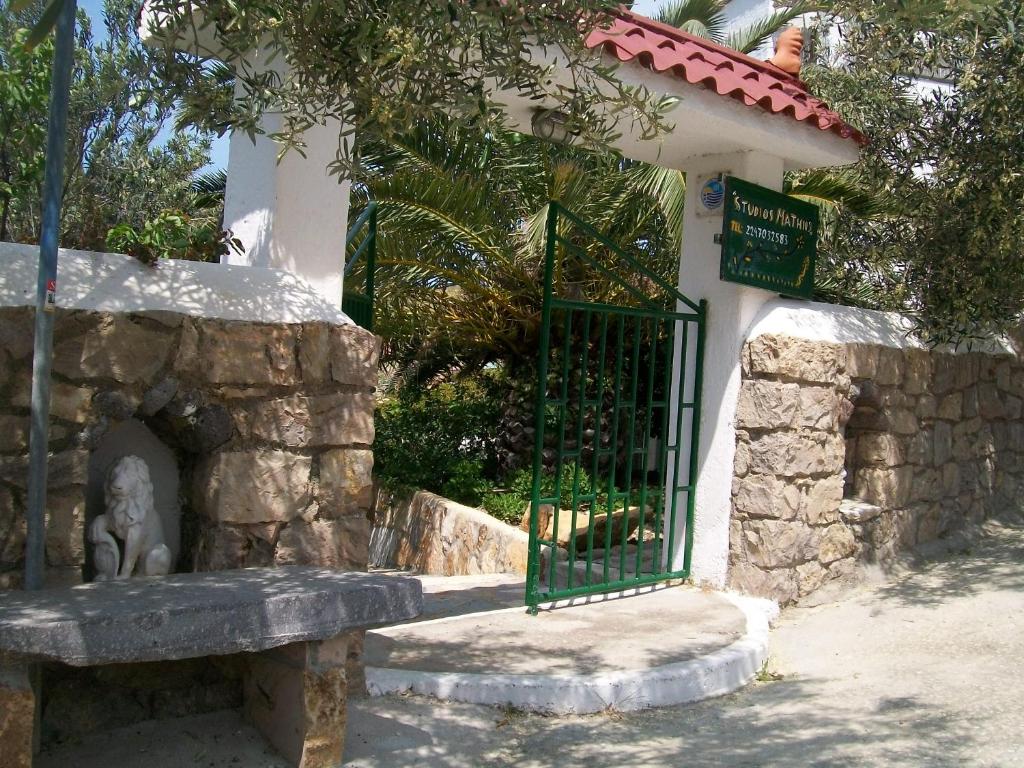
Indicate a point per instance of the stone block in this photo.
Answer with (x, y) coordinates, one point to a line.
(342, 544)
(820, 408)
(856, 512)
(118, 348)
(942, 443)
(354, 354)
(880, 449)
(346, 482)
(67, 401)
(741, 464)
(951, 406)
(69, 467)
(846, 572)
(902, 421)
(861, 360)
(245, 353)
(225, 546)
(187, 357)
(17, 715)
(757, 496)
(314, 353)
(115, 404)
(927, 485)
(891, 366)
(12, 528)
(990, 405)
(788, 357)
(1013, 407)
(920, 448)
(886, 488)
(918, 371)
(17, 331)
(1017, 382)
(253, 486)
(822, 499)
(65, 527)
(14, 470)
(777, 585)
(930, 524)
(1004, 375)
(767, 404)
(809, 577)
(866, 418)
(795, 454)
(967, 369)
(13, 433)
(296, 697)
(951, 479)
(779, 543)
(314, 421)
(837, 542)
(971, 402)
(927, 407)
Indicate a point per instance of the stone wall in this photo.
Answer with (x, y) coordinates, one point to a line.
(271, 424)
(847, 453)
(437, 536)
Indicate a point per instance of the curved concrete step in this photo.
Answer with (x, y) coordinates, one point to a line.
(663, 646)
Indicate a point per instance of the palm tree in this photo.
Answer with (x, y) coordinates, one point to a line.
(461, 238)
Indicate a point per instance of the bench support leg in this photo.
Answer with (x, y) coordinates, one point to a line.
(295, 696)
(19, 714)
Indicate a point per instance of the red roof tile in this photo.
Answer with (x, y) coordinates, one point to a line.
(664, 48)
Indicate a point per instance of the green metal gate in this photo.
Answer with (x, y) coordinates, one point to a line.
(616, 432)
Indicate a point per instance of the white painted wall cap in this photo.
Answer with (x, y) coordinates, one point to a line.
(113, 282)
(837, 324)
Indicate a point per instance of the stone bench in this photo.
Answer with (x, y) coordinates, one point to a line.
(296, 623)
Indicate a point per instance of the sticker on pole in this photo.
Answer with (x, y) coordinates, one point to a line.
(51, 296)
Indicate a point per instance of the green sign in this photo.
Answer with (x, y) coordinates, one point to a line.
(769, 240)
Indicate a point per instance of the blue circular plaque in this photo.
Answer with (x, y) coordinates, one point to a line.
(712, 194)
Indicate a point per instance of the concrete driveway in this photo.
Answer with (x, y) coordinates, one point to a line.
(923, 669)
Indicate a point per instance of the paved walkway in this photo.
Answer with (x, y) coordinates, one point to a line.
(923, 670)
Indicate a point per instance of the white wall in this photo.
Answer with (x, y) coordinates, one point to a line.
(292, 214)
(112, 282)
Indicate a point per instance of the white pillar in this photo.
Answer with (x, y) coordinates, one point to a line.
(731, 309)
(290, 215)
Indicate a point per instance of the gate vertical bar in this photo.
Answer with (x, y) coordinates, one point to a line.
(698, 387)
(533, 561)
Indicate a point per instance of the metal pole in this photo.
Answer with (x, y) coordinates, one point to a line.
(46, 296)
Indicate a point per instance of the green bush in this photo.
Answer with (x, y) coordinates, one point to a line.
(424, 433)
(507, 507)
(521, 483)
(466, 483)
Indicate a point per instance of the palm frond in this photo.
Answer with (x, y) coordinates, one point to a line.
(704, 18)
(840, 189)
(210, 182)
(750, 38)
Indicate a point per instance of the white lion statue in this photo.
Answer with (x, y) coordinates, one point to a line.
(132, 518)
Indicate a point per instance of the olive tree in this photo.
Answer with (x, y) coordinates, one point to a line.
(381, 67)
